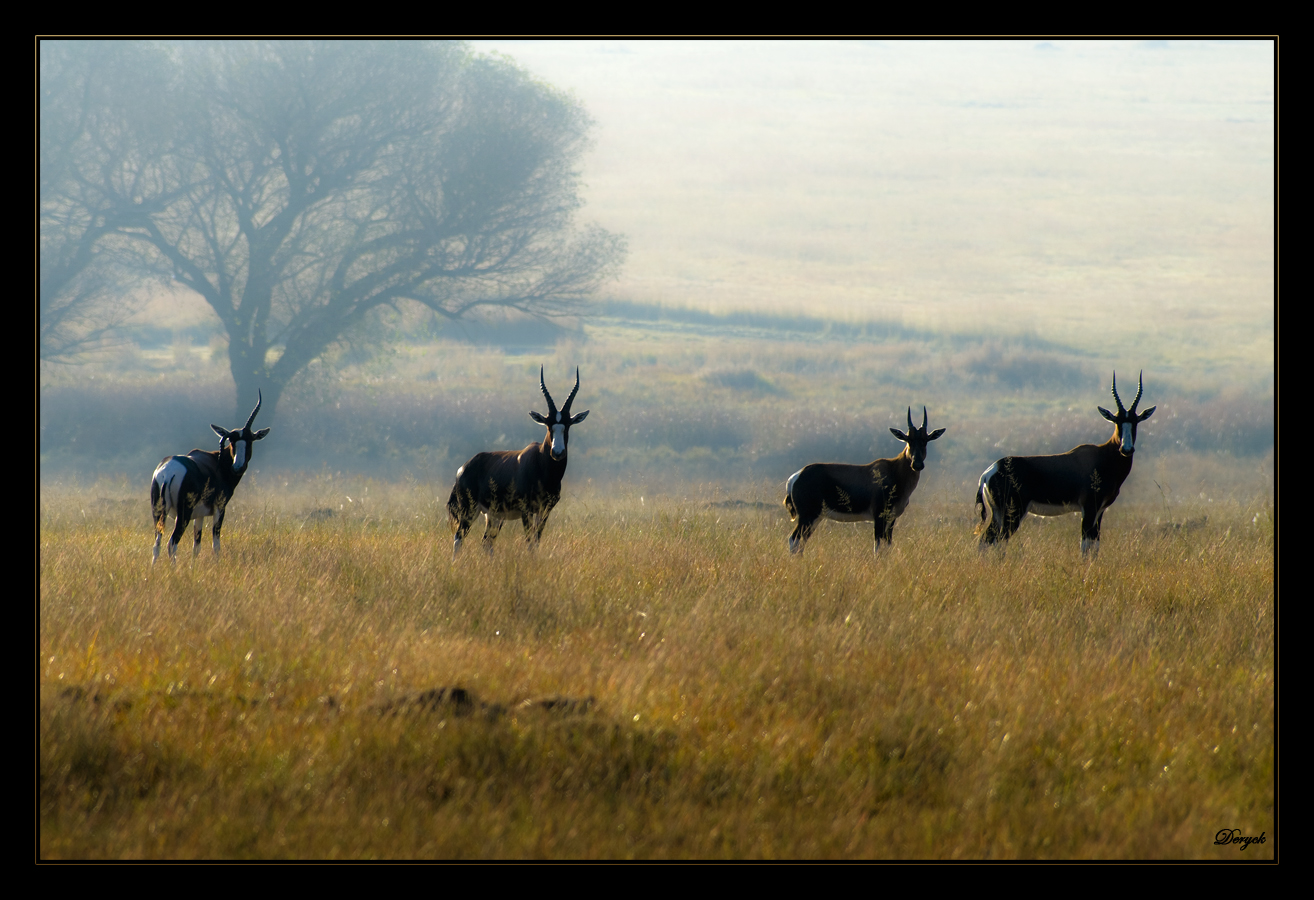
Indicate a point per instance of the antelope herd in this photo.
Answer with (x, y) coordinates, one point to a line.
(526, 485)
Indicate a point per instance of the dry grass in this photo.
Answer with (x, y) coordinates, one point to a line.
(283, 702)
(931, 703)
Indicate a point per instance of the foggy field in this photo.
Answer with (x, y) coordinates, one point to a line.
(692, 691)
(675, 403)
(662, 679)
(695, 692)
(781, 249)
(1090, 192)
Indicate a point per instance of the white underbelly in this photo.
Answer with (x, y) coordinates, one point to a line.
(829, 513)
(1053, 509)
(499, 513)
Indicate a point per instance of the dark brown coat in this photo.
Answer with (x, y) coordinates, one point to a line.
(877, 492)
(200, 484)
(524, 485)
(1086, 479)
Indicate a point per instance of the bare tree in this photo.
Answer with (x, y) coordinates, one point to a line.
(99, 170)
(306, 184)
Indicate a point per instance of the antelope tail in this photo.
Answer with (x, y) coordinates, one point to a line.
(157, 507)
(453, 508)
(985, 509)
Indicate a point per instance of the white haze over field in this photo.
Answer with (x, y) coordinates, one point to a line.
(1080, 191)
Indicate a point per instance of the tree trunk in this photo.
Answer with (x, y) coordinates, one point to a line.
(252, 382)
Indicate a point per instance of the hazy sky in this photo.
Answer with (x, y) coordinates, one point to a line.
(1063, 187)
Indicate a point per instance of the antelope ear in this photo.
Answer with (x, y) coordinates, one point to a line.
(575, 420)
(1145, 415)
(538, 418)
(223, 433)
(899, 434)
(935, 434)
(1108, 415)
(259, 435)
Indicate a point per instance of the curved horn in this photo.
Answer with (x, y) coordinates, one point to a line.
(259, 399)
(565, 410)
(1140, 386)
(552, 407)
(923, 419)
(1117, 399)
(910, 424)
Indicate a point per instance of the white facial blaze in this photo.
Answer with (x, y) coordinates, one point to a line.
(558, 439)
(239, 454)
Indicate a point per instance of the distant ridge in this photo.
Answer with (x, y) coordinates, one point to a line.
(656, 312)
(835, 329)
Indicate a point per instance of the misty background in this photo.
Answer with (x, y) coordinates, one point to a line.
(759, 254)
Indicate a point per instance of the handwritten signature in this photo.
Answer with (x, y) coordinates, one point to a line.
(1234, 836)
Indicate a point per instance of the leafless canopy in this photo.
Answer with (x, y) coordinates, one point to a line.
(297, 186)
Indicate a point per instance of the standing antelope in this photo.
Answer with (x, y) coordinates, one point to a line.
(200, 484)
(1086, 479)
(504, 484)
(877, 492)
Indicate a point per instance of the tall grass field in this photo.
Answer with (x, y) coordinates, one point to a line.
(659, 680)
(825, 238)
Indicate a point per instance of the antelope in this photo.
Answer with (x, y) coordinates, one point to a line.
(877, 492)
(200, 484)
(504, 484)
(1086, 479)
